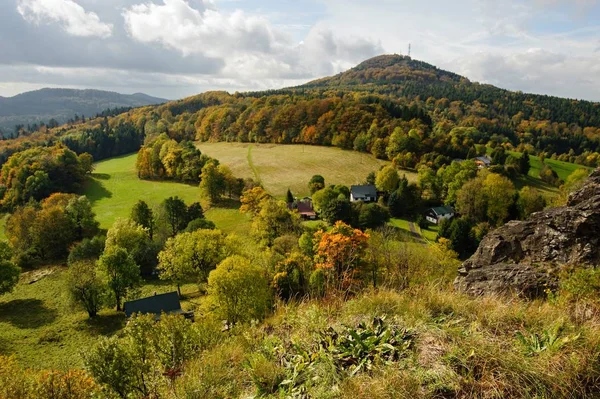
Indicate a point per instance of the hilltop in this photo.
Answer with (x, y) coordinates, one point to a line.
(62, 104)
(387, 69)
(449, 116)
(403, 76)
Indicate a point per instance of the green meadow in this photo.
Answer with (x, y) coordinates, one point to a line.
(279, 167)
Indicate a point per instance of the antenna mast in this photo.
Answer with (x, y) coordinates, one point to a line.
(409, 49)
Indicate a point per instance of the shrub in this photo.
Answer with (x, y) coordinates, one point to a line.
(87, 249)
(318, 283)
(9, 275)
(17, 383)
(239, 290)
(199, 224)
(148, 356)
(580, 284)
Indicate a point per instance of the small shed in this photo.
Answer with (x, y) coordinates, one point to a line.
(365, 193)
(156, 305)
(304, 207)
(483, 162)
(306, 211)
(437, 214)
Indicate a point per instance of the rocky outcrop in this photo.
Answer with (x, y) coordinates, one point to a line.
(522, 256)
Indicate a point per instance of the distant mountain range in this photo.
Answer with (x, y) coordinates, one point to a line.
(63, 104)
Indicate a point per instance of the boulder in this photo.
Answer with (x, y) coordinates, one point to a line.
(522, 257)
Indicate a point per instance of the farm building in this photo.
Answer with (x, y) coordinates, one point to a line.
(437, 214)
(304, 207)
(306, 211)
(156, 304)
(365, 193)
(483, 162)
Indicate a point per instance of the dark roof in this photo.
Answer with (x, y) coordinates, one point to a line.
(442, 210)
(366, 190)
(156, 304)
(305, 207)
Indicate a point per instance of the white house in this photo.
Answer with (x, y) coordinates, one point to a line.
(437, 214)
(365, 193)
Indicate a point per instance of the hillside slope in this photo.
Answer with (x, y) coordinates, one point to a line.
(62, 104)
(437, 116)
(402, 76)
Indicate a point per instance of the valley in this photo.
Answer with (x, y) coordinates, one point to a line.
(394, 230)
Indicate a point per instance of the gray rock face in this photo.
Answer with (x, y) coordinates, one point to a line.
(522, 256)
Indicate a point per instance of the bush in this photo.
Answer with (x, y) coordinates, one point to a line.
(9, 275)
(199, 224)
(239, 290)
(372, 216)
(148, 355)
(318, 283)
(580, 284)
(17, 383)
(87, 249)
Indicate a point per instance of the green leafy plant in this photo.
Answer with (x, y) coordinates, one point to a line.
(548, 340)
(358, 349)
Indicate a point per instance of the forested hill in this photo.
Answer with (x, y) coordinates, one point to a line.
(391, 106)
(41, 106)
(402, 76)
(387, 69)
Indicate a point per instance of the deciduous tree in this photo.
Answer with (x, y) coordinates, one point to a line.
(192, 256)
(85, 287)
(252, 199)
(340, 252)
(387, 179)
(240, 290)
(316, 183)
(142, 214)
(122, 272)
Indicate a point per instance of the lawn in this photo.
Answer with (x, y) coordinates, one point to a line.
(280, 167)
(562, 169)
(430, 233)
(115, 188)
(42, 329)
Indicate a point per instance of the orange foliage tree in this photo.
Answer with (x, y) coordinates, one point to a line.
(340, 253)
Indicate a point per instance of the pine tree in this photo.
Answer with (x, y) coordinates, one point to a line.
(524, 164)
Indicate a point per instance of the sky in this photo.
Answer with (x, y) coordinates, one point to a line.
(176, 48)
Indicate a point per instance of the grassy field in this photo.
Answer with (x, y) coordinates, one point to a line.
(40, 327)
(115, 188)
(280, 167)
(562, 169)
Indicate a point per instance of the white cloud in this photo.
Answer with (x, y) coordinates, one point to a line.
(252, 47)
(177, 25)
(186, 46)
(537, 70)
(73, 17)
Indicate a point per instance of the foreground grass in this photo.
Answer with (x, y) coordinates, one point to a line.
(40, 327)
(280, 167)
(462, 347)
